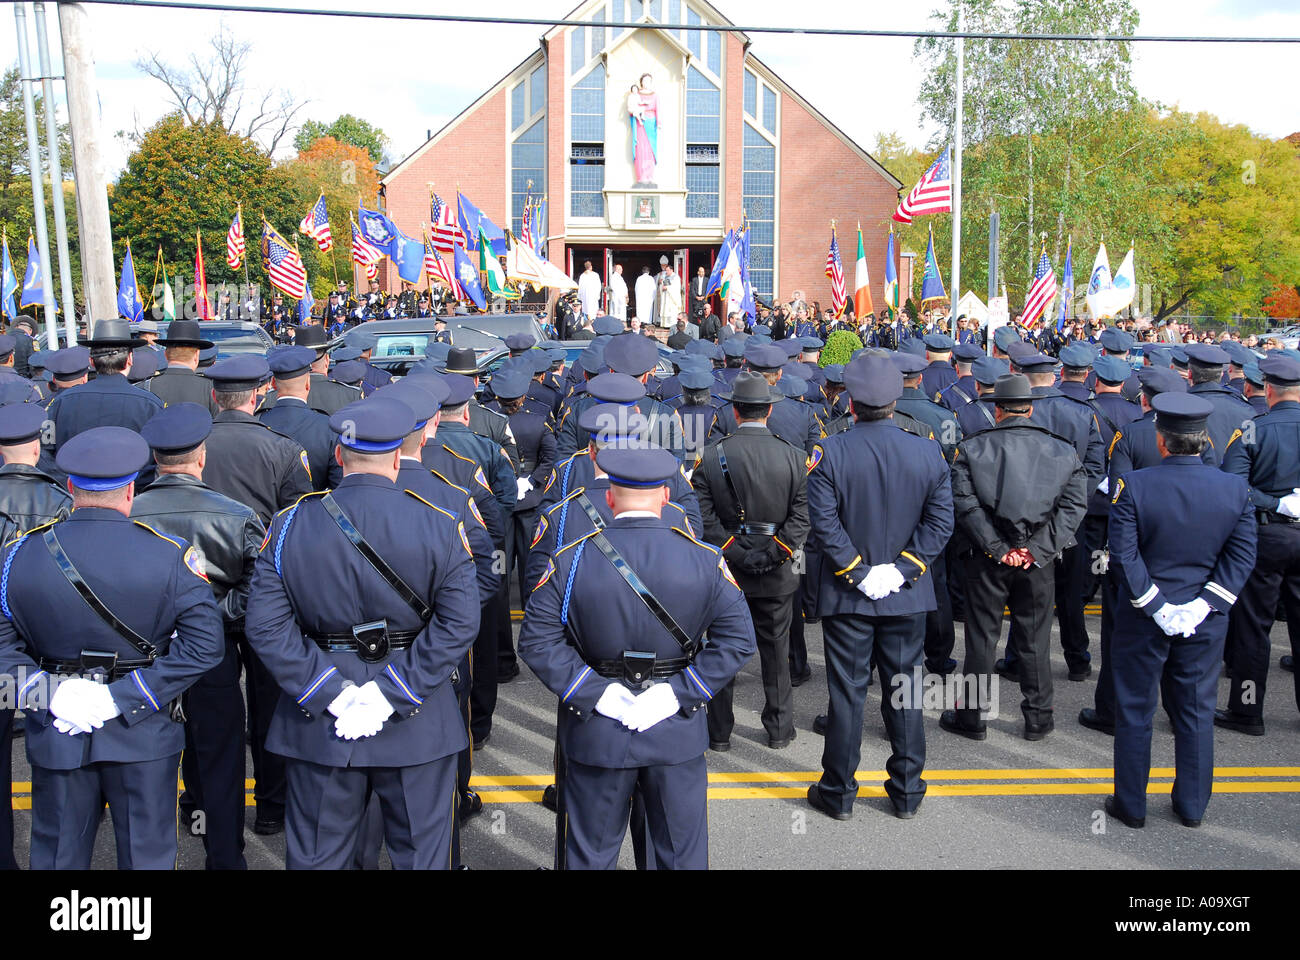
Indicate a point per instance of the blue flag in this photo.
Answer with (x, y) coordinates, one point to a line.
(472, 220)
(932, 284)
(539, 228)
(1067, 285)
(715, 278)
(377, 229)
(408, 257)
(8, 284)
(305, 305)
(128, 293)
(467, 276)
(33, 283)
(747, 306)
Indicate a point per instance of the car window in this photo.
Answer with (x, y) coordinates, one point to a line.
(400, 345)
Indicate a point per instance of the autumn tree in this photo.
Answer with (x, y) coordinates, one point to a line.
(346, 129)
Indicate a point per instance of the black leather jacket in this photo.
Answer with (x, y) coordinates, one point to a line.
(29, 498)
(227, 535)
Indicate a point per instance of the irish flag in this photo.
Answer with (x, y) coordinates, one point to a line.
(862, 282)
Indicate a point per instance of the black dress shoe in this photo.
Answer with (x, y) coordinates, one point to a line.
(550, 798)
(506, 673)
(1112, 808)
(783, 742)
(470, 805)
(720, 746)
(1287, 663)
(1081, 673)
(902, 814)
(1088, 717)
(480, 744)
(1187, 821)
(818, 802)
(948, 720)
(1242, 724)
(1009, 671)
(267, 826)
(943, 668)
(1036, 731)
(799, 679)
(819, 724)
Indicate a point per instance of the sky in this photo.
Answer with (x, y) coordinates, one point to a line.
(409, 78)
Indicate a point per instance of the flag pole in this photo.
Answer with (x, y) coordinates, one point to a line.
(248, 286)
(157, 264)
(955, 278)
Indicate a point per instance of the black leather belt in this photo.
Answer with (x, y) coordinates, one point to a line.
(1264, 518)
(369, 642)
(94, 666)
(638, 671)
(757, 529)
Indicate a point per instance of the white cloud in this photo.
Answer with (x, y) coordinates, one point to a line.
(410, 77)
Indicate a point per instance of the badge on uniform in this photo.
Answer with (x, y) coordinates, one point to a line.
(1119, 488)
(726, 572)
(481, 477)
(195, 562)
(550, 569)
(473, 511)
(815, 459)
(302, 455)
(539, 532)
(460, 528)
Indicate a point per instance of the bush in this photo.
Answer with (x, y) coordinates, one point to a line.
(839, 347)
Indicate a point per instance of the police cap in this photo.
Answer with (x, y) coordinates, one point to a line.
(636, 465)
(374, 425)
(290, 361)
(177, 428)
(616, 388)
(607, 326)
(103, 458)
(1280, 371)
(633, 356)
(1181, 412)
(20, 422)
(1111, 369)
(245, 371)
(874, 380)
(1079, 355)
(1157, 380)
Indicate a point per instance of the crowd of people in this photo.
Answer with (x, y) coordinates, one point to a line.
(352, 543)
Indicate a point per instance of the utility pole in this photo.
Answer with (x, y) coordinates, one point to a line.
(56, 175)
(96, 234)
(955, 294)
(37, 177)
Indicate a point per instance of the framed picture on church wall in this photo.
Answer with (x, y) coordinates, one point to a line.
(645, 210)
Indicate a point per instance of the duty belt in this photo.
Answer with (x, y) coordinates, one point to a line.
(639, 670)
(94, 665)
(757, 529)
(1263, 517)
(371, 642)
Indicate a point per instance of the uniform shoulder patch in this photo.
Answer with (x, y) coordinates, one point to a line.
(1119, 488)
(195, 563)
(550, 571)
(464, 539)
(302, 458)
(1114, 441)
(481, 479)
(550, 482)
(540, 531)
(698, 543)
(815, 458)
(726, 572)
(1236, 435)
(473, 511)
(162, 536)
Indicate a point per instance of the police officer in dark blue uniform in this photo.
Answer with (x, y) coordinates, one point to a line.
(1270, 462)
(363, 604)
(962, 390)
(939, 373)
(792, 421)
(1179, 592)
(698, 411)
(632, 716)
(1253, 388)
(975, 416)
(227, 535)
(1205, 364)
(102, 657)
(1234, 375)
(293, 417)
(874, 585)
(462, 361)
(914, 403)
(68, 368)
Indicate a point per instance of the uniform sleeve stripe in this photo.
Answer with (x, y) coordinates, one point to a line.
(406, 690)
(577, 682)
(856, 561)
(695, 678)
(144, 688)
(315, 684)
(911, 559)
(1146, 598)
(783, 546)
(26, 687)
(1218, 591)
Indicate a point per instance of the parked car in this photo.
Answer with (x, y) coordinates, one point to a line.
(230, 336)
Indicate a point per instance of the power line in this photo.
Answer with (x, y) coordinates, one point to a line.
(715, 28)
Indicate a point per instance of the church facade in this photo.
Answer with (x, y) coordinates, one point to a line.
(653, 142)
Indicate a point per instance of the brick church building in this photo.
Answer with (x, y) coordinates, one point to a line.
(730, 140)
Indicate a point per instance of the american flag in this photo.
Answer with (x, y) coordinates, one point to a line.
(526, 226)
(282, 264)
(446, 230)
(1040, 292)
(438, 271)
(835, 270)
(235, 248)
(932, 195)
(364, 253)
(317, 225)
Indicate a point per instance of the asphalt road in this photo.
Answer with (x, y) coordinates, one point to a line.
(1003, 803)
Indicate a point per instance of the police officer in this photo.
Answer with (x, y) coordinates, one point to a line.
(1113, 411)
(698, 411)
(536, 445)
(631, 717)
(1270, 462)
(1019, 493)
(962, 390)
(939, 374)
(866, 558)
(1232, 412)
(293, 417)
(11, 382)
(131, 643)
(253, 465)
(28, 498)
(1254, 388)
(144, 366)
(227, 536)
(23, 330)
(375, 377)
(1179, 592)
(109, 399)
(68, 368)
(180, 382)
(483, 422)
(327, 396)
(363, 603)
(752, 489)
(974, 417)
(791, 421)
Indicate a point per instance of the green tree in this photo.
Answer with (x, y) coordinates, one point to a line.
(346, 129)
(189, 177)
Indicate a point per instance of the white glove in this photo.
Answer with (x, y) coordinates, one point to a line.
(1289, 506)
(366, 714)
(339, 705)
(523, 485)
(1104, 486)
(63, 726)
(1192, 615)
(615, 701)
(104, 708)
(880, 581)
(1168, 619)
(656, 704)
(78, 703)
